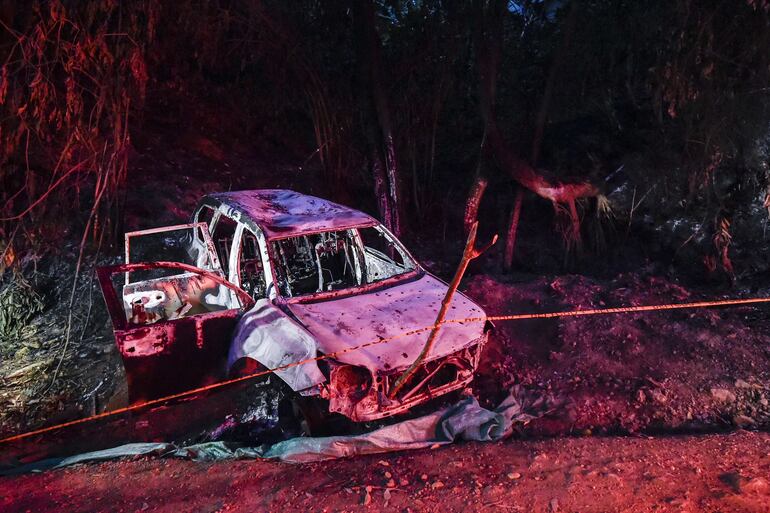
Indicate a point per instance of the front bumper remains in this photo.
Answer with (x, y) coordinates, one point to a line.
(362, 396)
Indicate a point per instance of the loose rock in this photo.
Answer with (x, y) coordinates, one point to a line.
(723, 395)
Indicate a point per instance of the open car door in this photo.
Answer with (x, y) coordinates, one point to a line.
(172, 310)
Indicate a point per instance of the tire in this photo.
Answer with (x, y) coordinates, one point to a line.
(313, 417)
(264, 411)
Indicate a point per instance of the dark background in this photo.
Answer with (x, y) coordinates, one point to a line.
(648, 118)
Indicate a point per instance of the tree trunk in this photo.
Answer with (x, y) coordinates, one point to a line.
(384, 145)
(545, 103)
(487, 41)
(513, 226)
(537, 139)
(381, 187)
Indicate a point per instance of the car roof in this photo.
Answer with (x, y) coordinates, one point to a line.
(282, 213)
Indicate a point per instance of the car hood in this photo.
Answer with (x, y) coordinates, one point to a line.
(341, 323)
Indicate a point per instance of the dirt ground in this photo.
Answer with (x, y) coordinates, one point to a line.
(676, 371)
(725, 473)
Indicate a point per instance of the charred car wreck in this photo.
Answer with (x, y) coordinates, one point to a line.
(265, 278)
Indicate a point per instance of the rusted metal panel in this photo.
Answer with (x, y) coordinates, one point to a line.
(166, 356)
(351, 393)
(173, 356)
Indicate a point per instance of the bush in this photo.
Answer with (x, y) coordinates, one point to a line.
(19, 303)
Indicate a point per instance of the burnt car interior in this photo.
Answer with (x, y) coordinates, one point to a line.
(315, 263)
(251, 269)
(223, 235)
(383, 258)
(157, 294)
(329, 261)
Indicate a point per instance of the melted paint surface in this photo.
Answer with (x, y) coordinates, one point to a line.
(283, 213)
(349, 321)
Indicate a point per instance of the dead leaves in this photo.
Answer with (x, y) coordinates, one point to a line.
(66, 92)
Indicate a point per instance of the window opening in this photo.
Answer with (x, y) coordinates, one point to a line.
(223, 235)
(251, 267)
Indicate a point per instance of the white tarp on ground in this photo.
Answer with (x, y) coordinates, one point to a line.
(464, 420)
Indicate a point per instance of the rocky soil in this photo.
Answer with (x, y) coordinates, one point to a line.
(669, 371)
(689, 474)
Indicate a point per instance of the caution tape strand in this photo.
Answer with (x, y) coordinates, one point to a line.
(383, 340)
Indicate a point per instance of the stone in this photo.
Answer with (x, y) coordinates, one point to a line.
(758, 485)
(723, 395)
(739, 383)
(743, 420)
(554, 505)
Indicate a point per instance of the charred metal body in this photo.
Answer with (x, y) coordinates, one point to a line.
(167, 356)
(277, 277)
(362, 396)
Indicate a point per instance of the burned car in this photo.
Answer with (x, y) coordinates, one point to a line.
(263, 279)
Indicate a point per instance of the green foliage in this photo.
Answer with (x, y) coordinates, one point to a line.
(19, 303)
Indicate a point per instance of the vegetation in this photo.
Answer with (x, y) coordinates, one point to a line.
(19, 303)
(401, 106)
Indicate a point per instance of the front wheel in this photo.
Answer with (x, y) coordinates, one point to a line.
(274, 409)
(263, 412)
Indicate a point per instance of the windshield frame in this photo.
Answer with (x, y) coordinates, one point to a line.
(411, 274)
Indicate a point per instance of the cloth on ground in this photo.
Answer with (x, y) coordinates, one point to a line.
(464, 420)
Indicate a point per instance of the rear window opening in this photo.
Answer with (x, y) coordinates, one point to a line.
(337, 260)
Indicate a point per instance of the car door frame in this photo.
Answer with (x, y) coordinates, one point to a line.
(173, 355)
(207, 242)
(234, 265)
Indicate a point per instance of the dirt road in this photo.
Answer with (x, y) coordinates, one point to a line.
(725, 473)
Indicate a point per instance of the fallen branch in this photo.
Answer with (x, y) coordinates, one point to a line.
(474, 200)
(536, 180)
(563, 193)
(469, 254)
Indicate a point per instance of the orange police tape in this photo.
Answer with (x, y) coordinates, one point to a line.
(512, 317)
